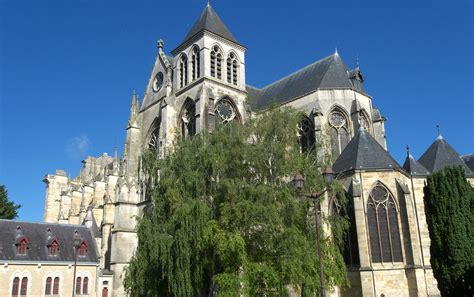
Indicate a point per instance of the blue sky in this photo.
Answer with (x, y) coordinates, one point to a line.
(68, 69)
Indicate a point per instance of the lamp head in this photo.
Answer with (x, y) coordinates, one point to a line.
(328, 175)
(298, 181)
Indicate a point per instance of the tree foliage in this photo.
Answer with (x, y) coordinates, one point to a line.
(225, 217)
(449, 204)
(8, 209)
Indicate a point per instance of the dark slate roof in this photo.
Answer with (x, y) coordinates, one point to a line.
(364, 152)
(441, 154)
(38, 237)
(330, 72)
(469, 160)
(413, 167)
(210, 21)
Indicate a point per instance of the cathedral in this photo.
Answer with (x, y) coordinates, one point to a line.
(200, 84)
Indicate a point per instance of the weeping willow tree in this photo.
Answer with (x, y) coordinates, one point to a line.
(226, 221)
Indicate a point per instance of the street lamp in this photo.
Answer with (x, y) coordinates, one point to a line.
(77, 241)
(298, 182)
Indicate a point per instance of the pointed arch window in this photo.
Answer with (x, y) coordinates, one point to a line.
(85, 286)
(53, 247)
(232, 67)
(225, 110)
(82, 249)
(364, 121)
(22, 246)
(188, 119)
(47, 289)
(154, 139)
(339, 131)
(216, 61)
(196, 63)
(183, 71)
(350, 247)
(56, 286)
(78, 285)
(24, 286)
(15, 286)
(306, 135)
(382, 218)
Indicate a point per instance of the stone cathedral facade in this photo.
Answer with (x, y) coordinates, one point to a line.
(201, 83)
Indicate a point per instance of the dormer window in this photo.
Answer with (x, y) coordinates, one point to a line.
(196, 63)
(183, 71)
(53, 247)
(22, 246)
(232, 67)
(82, 249)
(216, 61)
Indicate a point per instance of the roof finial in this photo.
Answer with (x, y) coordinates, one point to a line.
(336, 52)
(357, 60)
(408, 150)
(439, 132)
(208, 2)
(160, 43)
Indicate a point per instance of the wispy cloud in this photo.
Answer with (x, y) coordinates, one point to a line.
(78, 146)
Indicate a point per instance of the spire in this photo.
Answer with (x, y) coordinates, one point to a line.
(211, 22)
(133, 109)
(412, 166)
(439, 132)
(441, 154)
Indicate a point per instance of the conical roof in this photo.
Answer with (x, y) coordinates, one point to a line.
(413, 167)
(364, 152)
(441, 154)
(210, 21)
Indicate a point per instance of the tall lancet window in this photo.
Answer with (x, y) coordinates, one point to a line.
(232, 69)
(350, 247)
(183, 71)
(188, 119)
(384, 234)
(306, 135)
(196, 63)
(339, 131)
(216, 62)
(364, 121)
(154, 138)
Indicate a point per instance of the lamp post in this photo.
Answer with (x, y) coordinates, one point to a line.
(298, 182)
(77, 241)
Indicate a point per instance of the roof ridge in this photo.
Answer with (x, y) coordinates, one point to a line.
(44, 223)
(298, 71)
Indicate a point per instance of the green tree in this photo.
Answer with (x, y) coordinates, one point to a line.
(8, 209)
(449, 205)
(226, 218)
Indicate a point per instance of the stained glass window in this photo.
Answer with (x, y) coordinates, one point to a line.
(225, 110)
(382, 218)
(339, 132)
